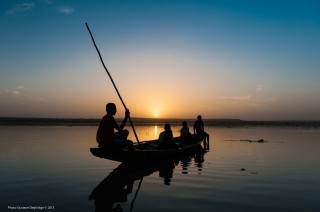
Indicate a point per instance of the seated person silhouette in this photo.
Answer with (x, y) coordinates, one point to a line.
(106, 137)
(185, 135)
(198, 128)
(166, 140)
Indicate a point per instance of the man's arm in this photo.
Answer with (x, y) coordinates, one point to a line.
(202, 125)
(127, 114)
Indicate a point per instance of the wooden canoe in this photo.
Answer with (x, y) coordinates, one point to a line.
(150, 152)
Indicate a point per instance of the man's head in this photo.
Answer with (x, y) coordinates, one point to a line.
(184, 124)
(199, 117)
(167, 127)
(111, 108)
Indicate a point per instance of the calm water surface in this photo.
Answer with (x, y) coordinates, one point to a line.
(52, 167)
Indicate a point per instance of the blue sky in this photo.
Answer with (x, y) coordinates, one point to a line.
(254, 60)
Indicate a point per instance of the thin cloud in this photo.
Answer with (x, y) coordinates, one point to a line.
(26, 7)
(18, 94)
(66, 10)
(260, 88)
(236, 100)
(21, 8)
(47, 1)
(241, 98)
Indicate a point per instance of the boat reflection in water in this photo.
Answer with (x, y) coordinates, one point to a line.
(116, 187)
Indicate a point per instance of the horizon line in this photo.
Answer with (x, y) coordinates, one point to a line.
(162, 118)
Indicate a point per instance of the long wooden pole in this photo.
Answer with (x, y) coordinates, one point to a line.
(115, 87)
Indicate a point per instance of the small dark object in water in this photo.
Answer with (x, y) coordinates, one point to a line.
(259, 141)
(243, 169)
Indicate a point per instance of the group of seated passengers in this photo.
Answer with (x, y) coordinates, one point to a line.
(108, 139)
(166, 140)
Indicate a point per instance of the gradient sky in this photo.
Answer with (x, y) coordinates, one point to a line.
(248, 59)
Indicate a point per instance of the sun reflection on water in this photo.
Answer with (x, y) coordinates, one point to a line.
(155, 130)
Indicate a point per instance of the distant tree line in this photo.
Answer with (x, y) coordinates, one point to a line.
(156, 121)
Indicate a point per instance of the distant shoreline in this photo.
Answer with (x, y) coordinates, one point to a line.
(5, 121)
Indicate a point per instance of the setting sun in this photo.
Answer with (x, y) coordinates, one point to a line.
(156, 115)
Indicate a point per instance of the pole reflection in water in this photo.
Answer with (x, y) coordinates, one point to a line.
(116, 187)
